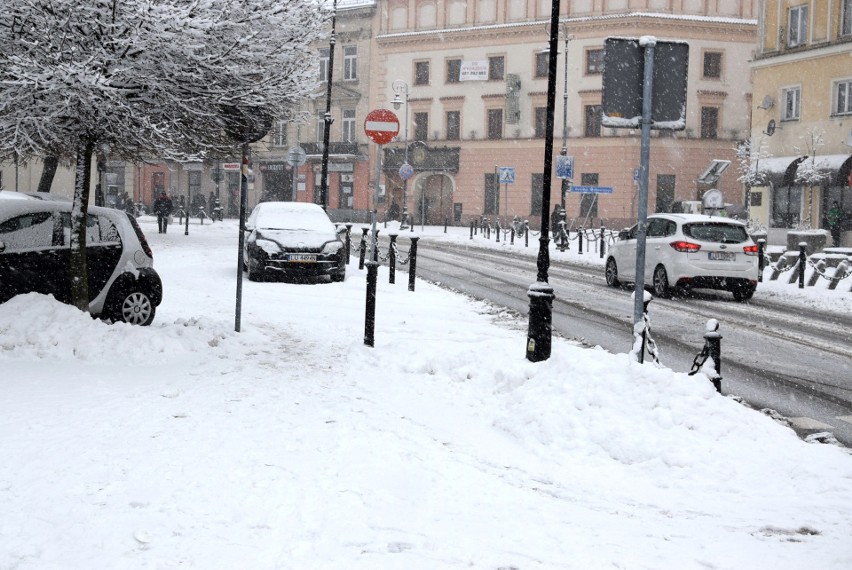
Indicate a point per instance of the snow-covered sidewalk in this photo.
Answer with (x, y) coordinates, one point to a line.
(292, 445)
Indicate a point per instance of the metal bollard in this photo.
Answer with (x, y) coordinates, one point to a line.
(580, 240)
(513, 237)
(446, 221)
(472, 225)
(376, 251)
(761, 251)
(363, 247)
(370, 309)
(526, 233)
(412, 260)
(603, 241)
(392, 260)
(497, 230)
(348, 242)
(713, 341)
(802, 259)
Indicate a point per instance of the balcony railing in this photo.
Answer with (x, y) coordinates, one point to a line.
(422, 158)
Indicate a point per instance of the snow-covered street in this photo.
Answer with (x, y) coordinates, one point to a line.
(292, 445)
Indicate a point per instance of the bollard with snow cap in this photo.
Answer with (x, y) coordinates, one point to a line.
(713, 342)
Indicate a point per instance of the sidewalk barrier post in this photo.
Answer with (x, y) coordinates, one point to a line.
(392, 260)
(603, 241)
(761, 251)
(580, 240)
(512, 236)
(412, 260)
(497, 230)
(370, 309)
(802, 258)
(526, 233)
(714, 348)
(348, 242)
(446, 221)
(363, 247)
(376, 250)
(471, 229)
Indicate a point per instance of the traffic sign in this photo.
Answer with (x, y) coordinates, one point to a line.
(381, 126)
(296, 156)
(592, 189)
(506, 174)
(406, 171)
(564, 166)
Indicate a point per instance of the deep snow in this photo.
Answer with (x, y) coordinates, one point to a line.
(292, 445)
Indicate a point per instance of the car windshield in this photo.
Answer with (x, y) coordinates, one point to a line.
(284, 218)
(719, 232)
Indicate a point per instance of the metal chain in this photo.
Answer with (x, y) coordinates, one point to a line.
(775, 266)
(651, 344)
(822, 273)
(699, 360)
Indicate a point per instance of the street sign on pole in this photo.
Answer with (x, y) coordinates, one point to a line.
(381, 126)
(506, 174)
(296, 156)
(592, 189)
(406, 171)
(565, 166)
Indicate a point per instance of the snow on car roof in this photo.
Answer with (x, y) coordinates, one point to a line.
(292, 216)
(685, 218)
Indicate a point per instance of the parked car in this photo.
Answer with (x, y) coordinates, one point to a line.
(35, 257)
(688, 251)
(292, 239)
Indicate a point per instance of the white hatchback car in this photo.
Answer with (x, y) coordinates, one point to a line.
(688, 251)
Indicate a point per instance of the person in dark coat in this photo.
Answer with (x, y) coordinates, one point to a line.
(834, 217)
(163, 209)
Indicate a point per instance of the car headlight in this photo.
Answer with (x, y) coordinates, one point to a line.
(270, 247)
(332, 247)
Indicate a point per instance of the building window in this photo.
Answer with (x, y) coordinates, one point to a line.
(349, 125)
(792, 102)
(421, 126)
(453, 125)
(709, 122)
(786, 206)
(421, 73)
(540, 122)
(846, 23)
(798, 26)
(593, 121)
(193, 187)
(665, 192)
(712, 65)
(588, 201)
(542, 63)
(324, 55)
(321, 127)
(492, 194)
(843, 98)
(495, 124)
(594, 61)
(453, 70)
(536, 194)
(350, 62)
(279, 134)
(496, 67)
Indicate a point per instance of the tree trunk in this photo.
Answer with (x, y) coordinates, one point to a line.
(46, 180)
(79, 210)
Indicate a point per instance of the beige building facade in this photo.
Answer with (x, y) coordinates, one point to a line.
(802, 115)
(476, 78)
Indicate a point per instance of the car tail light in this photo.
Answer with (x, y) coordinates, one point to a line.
(142, 241)
(685, 246)
(750, 250)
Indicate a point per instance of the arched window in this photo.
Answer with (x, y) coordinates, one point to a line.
(427, 14)
(398, 16)
(486, 11)
(457, 12)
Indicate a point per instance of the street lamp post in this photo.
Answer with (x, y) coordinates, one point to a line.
(400, 87)
(327, 118)
(539, 333)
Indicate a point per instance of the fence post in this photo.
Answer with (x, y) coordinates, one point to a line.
(714, 349)
(412, 260)
(603, 241)
(802, 258)
(348, 242)
(376, 251)
(363, 247)
(392, 260)
(472, 225)
(497, 230)
(761, 250)
(580, 239)
(526, 233)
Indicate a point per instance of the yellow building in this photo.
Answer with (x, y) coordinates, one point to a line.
(802, 115)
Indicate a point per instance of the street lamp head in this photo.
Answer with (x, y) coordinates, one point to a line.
(397, 102)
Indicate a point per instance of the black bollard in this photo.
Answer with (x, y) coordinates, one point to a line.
(376, 250)
(363, 247)
(513, 237)
(497, 230)
(392, 260)
(713, 340)
(761, 248)
(370, 314)
(348, 242)
(603, 241)
(412, 260)
(802, 259)
(526, 233)
(446, 221)
(472, 226)
(580, 240)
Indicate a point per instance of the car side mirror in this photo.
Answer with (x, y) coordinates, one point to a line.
(623, 235)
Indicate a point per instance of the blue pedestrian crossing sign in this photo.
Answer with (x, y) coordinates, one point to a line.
(564, 166)
(506, 174)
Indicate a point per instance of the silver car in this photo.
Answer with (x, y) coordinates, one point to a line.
(688, 251)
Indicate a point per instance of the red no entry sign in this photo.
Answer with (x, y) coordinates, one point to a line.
(381, 125)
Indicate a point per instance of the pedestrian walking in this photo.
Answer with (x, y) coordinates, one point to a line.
(163, 209)
(834, 219)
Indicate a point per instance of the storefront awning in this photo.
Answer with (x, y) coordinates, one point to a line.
(830, 169)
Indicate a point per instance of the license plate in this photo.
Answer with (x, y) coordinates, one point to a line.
(721, 255)
(302, 258)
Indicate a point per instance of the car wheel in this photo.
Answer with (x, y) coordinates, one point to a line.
(743, 293)
(134, 307)
(338, 277)
(661, 282)
(255, 274)
(612, 273)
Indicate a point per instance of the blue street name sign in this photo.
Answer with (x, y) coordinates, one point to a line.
(564, 166)
(506, 174)
(592, 189)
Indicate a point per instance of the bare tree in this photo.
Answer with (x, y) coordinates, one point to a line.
(174, 79)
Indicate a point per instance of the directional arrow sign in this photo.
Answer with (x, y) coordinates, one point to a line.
(381, 126)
